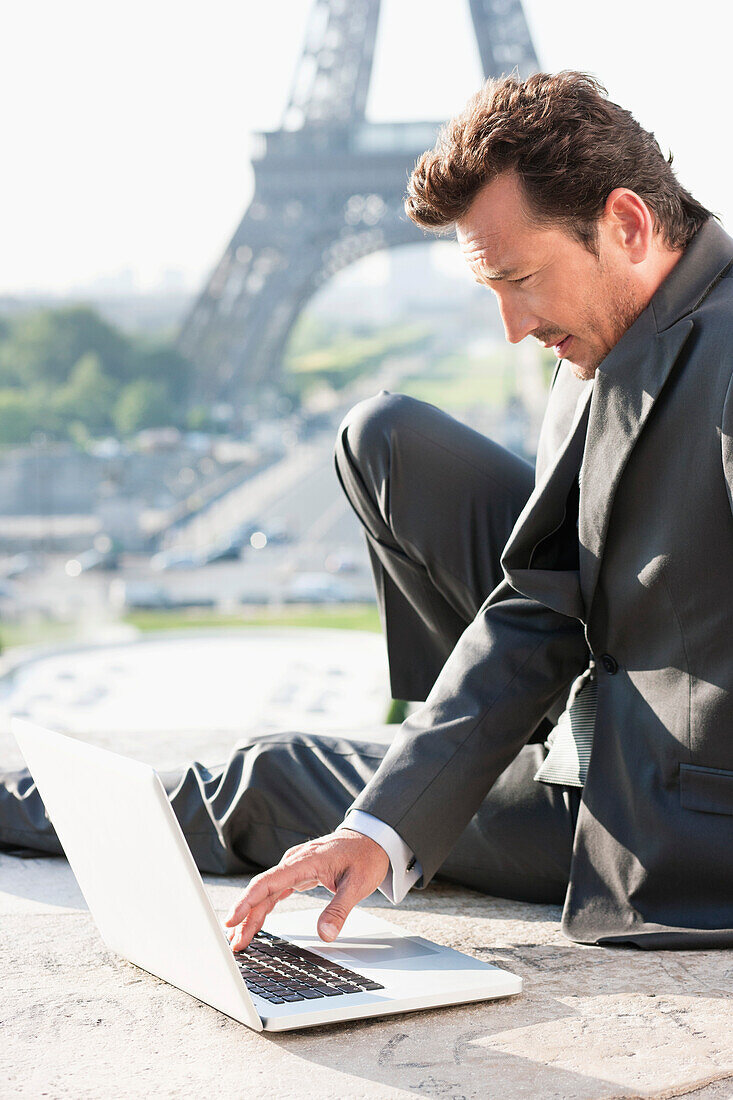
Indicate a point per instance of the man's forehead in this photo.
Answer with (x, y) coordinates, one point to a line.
(495, 234)
(496, 258)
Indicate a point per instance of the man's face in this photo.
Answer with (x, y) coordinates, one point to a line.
(548, 284)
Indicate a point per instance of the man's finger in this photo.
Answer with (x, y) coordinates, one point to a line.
(241, 936)
(309, 884)
(269, 884)
(331, 920)
(251, 926)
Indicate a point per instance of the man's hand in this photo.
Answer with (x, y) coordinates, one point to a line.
(347, 863)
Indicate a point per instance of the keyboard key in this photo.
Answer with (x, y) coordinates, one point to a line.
(276, 968)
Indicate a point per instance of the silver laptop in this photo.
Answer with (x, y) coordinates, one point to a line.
(145, 893)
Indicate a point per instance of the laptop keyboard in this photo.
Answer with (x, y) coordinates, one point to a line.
(279, 971)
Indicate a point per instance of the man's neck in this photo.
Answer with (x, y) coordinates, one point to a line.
(663, 261)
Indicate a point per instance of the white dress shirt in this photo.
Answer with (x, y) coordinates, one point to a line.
(404, 869)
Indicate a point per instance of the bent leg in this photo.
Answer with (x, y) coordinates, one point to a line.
(282, 789)
(438, 502)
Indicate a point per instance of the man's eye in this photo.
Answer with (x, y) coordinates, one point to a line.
(522, 280)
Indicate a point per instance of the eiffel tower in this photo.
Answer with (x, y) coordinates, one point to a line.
(329, 190)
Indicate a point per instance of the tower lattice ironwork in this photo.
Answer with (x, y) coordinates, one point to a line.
(329, 190)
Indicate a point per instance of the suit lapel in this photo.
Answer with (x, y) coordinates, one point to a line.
(543, 515)
(608, 421)
(627, 385)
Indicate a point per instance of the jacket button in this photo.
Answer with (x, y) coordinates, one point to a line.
(610, 664)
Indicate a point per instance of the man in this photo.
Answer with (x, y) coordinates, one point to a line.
(612, 595)
(567, 210)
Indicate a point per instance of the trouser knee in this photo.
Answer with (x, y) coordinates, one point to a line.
(366, 432)
(365, 447)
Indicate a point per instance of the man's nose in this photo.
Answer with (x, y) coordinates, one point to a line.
(517, 319)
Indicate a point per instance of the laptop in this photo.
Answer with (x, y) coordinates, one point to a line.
(146, 895)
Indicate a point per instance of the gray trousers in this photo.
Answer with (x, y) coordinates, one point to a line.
(437, 501)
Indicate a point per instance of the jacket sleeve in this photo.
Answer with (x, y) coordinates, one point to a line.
(507, 670)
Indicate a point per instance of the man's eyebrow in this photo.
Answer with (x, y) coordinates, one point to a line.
(497, 276)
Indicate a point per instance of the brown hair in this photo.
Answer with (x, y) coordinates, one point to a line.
(569, 144)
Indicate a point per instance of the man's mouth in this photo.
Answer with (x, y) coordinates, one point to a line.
(560, 347)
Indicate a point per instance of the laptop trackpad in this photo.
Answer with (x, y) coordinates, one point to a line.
(382, 952)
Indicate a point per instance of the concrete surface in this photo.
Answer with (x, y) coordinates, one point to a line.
(592, 1023)
(169, 698)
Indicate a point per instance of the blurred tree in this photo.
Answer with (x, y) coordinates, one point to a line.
(16, 417)
(75, 376)
(199, 419)
(45, 346)
(142, 404)
(165, 364)
(88, 396)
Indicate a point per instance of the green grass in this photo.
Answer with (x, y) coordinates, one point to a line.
(342, 617)
(459, 382)
(338, 359)
(36, 633)
(346, 350)
(457, 392)
(349, 617)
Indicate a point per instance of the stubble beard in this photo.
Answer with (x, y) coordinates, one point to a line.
(622, 307)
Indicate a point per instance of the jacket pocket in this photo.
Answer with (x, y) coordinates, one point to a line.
(709, 790)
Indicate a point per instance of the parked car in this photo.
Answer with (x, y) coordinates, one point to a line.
(92, 559)
(276, 532)
(318, 588)
(138, 596)
(18, 565)
(258, 535)
(228, 550)
(342, 561)
(192, 600)
(174, 559)
(7, 591)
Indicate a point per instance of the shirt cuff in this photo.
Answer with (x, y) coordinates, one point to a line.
(404, 869)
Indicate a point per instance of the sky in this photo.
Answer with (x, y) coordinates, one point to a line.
(125, 126)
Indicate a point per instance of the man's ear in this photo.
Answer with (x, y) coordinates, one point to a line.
(630, 223)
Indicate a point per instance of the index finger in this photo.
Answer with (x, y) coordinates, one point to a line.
(271, 884)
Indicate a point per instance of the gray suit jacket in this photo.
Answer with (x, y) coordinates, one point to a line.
(645, 585)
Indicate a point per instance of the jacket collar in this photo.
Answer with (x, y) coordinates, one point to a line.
(629, 381)
(705, 259)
